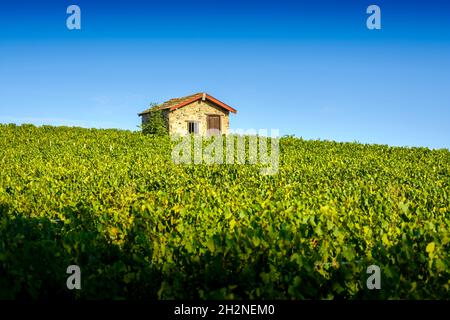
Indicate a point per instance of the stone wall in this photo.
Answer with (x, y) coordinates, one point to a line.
(197, 111)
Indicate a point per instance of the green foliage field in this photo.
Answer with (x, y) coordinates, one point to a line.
(141, 227)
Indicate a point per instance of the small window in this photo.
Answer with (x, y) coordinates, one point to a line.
(193, 127)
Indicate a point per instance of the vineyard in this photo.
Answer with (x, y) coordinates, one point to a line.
(141, 227)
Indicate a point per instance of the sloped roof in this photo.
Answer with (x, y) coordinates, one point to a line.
(176, 103)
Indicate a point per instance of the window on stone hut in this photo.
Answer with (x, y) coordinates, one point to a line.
(193, 127)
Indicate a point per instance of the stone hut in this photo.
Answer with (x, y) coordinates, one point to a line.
(199, 113)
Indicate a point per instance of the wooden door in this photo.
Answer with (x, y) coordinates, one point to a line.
(213, 124)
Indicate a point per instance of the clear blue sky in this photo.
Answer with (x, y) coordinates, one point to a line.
(311, 68)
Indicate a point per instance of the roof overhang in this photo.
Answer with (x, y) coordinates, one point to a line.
(193, 99)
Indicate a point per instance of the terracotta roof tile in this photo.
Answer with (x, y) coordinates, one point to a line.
(172, 102)
(179, 102)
